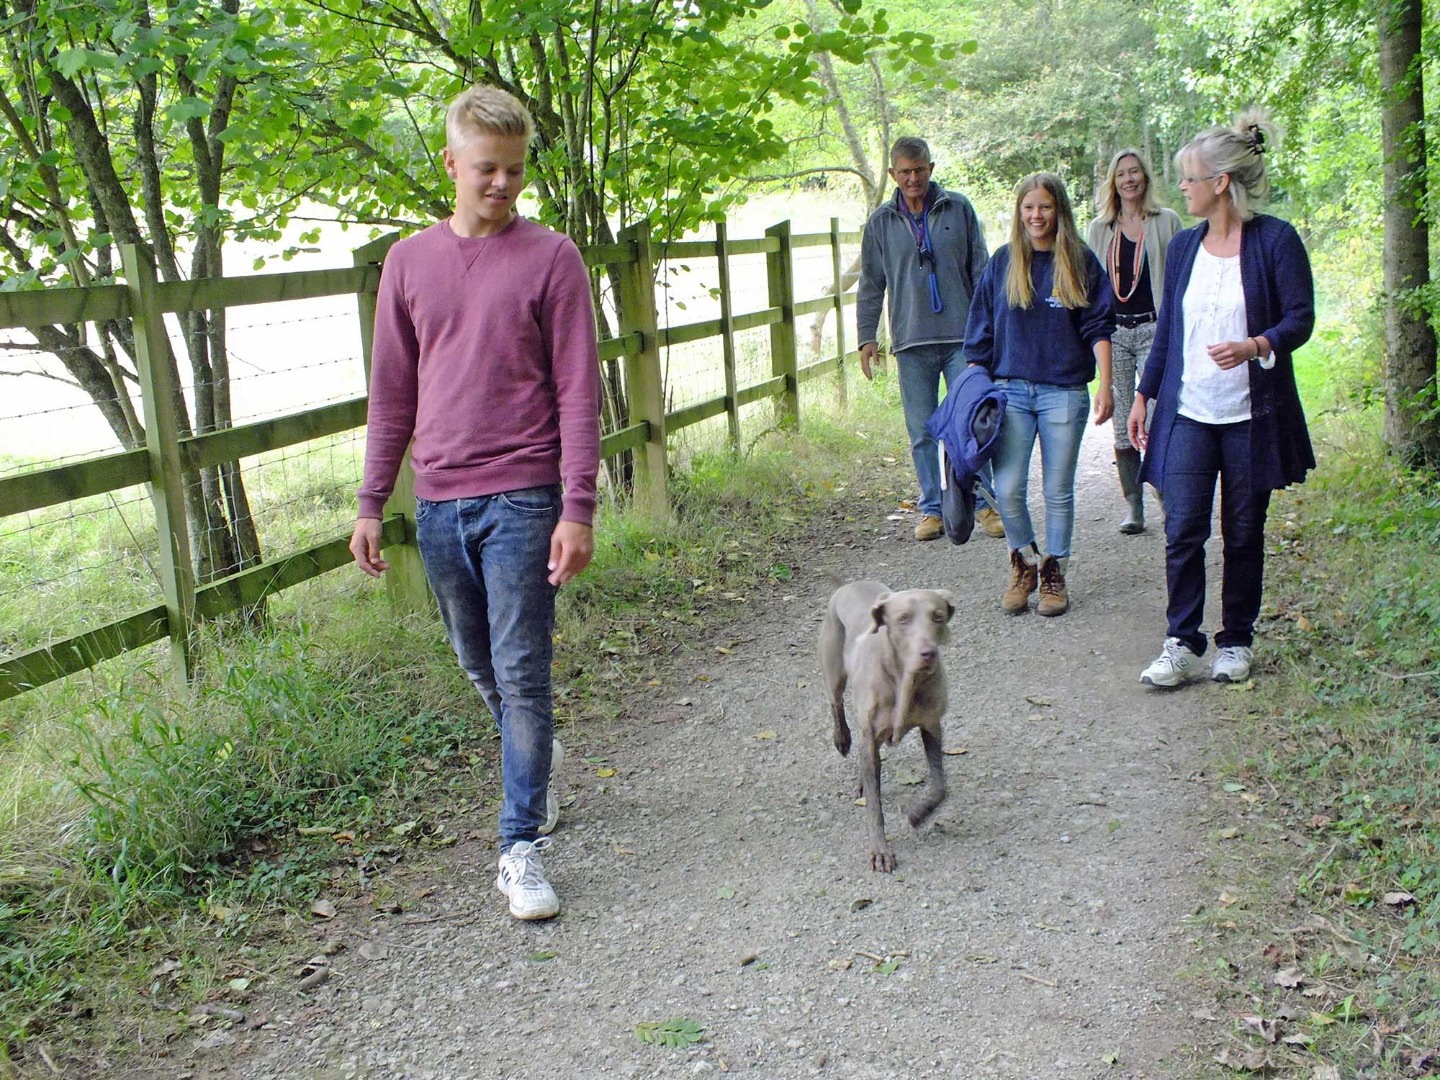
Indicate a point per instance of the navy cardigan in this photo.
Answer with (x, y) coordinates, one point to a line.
(1280, 306)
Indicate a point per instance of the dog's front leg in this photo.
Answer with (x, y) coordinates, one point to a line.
(881, 857)
(935, 789)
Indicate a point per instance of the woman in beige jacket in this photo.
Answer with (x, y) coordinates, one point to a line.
(1129, 236)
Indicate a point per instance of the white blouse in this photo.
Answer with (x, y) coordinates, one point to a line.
(1214, 311)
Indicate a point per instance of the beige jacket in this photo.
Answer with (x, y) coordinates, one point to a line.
(1160, 229)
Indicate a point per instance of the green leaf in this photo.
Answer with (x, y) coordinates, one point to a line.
(676, 1034)
(725, 892)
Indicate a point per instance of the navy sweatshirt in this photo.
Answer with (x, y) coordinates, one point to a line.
(1044, 343)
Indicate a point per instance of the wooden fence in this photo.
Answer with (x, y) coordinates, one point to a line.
(167, 460)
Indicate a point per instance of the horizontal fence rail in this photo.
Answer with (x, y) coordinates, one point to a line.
(637, 344)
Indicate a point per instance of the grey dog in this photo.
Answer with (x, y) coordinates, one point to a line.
(887, 645)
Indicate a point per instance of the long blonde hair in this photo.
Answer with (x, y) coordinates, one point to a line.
(1239, 152)
(1070, 275)
(1107, 199)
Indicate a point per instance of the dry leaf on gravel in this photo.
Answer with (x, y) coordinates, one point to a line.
(1289, 978)
(1398, 899)
(956, 751)
(374, 950)
(323, 909)
(767, 734)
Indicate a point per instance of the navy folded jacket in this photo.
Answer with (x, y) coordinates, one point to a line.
(967, 426)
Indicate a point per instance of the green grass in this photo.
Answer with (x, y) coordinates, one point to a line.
(142, 827)
(1333, 777)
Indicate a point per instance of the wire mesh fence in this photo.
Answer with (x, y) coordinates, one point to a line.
(70, 564)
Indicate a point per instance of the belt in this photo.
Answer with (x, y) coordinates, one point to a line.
(1129, 322)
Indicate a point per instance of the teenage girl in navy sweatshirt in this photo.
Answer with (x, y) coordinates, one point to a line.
(1040, 322)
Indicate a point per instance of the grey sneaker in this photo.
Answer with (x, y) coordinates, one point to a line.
(552, 800)
(1172, 667)
(522, 879)
(1231, 663)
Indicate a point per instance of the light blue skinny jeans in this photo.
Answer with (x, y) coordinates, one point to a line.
(1057, 414)
(486, 561)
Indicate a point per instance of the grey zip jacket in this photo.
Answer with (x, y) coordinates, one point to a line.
(890, 261)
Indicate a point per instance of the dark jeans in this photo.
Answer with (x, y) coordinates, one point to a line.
(486, 562)
(1196, 454)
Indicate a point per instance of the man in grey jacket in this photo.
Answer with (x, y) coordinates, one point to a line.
(924, 247)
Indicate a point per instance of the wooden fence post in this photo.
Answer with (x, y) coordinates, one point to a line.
(644, 384)
(727, 333)
(405, 581)
(784, 357)
(839, 273)
(155, 366)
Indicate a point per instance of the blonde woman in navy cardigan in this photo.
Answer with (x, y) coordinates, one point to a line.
(1239, 300)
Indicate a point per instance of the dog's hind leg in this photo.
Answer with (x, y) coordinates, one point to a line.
(935, 789)
(881, 857)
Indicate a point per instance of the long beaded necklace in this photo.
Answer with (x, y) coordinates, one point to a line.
(1114, 262)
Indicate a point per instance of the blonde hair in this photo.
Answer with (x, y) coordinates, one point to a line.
(486, 110)
(1107, 199)
(1237, 151)
(1069, 287)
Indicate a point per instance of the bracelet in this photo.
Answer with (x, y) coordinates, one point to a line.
(1256, 343)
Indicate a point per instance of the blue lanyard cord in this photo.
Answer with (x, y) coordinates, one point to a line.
(921, 231)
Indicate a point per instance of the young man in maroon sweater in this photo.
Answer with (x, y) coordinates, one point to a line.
(485, 357)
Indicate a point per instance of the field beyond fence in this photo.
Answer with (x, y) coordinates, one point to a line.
(99, 554)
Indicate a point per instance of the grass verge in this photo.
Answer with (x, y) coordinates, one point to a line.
(164, 848)
(1324, 943)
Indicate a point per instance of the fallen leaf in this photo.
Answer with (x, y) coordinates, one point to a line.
(1265, 1027)
(346, 837)
(982, 958)
(909, 779)
(1044, 703)
(860, 903)
(1227, 899)
(723, 651)
(405, 828)
(323, 909)
(1304, 624)
(239, 985)
(725, 892)
(1289, 978)
(860, 801)
(1250, 1061)
(748, 959)
(841, 963)
(316, 830)
(1228, 834)
(767, 734)
(165, 967)
(605, 772)
(956, 751)
(542, 955)
(374, 950)
(1398, 899)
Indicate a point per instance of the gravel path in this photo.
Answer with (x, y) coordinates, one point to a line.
(1036, 928)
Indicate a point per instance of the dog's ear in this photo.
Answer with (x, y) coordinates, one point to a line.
(877, 612)
(949, 598)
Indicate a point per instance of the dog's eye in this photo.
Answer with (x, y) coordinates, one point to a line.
(936, 616)
(904, 618)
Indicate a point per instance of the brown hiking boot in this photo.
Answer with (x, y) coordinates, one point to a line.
(1054, 597)
(1022, 584)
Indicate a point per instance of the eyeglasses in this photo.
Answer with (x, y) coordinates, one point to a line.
(907, 174)
(1199, 179)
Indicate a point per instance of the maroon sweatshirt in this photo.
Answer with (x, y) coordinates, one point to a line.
(485, 353)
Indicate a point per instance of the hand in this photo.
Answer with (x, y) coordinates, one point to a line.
(365, 546)
(572, 546)
(868, 352)
(1103, 407)
(1231, 354)
(1135, 424)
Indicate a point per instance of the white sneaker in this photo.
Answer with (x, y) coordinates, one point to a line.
(1172, 667)
(522, 879)
(552, 800)
(1231, 664)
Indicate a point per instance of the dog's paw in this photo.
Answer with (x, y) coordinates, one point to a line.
(882, 861)
(920, 813)
(842, 741)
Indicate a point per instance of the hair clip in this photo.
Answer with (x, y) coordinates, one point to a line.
(1257, 138)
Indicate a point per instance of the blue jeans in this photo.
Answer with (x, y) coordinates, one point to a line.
(486, 561)
(1057, 414)
(1194, 456)
(920, 368)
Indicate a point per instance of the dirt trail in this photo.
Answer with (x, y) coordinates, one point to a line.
(1036, 929)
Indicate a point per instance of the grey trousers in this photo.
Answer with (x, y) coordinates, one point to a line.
(1128, 350)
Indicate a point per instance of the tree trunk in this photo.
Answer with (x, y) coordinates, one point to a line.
(1412, 421)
